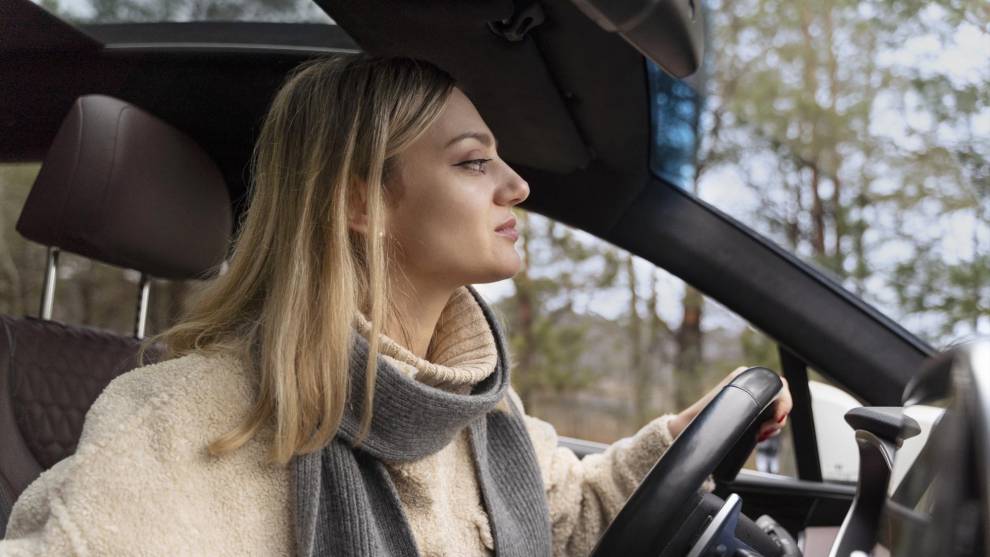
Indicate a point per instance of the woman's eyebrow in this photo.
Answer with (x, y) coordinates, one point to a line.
(483, 137)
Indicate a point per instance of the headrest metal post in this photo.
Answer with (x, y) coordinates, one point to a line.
(48, 290)
(144, 291)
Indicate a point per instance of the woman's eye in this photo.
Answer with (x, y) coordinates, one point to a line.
(476, 164)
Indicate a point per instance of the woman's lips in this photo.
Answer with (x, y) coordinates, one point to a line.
(510, 233)
(508, 229)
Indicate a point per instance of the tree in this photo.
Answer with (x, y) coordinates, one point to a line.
(546, 332)
(861, 164)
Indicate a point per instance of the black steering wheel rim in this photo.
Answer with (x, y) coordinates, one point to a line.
(661, 504)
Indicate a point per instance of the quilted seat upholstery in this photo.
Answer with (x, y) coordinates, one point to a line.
(45, 393)
(51, 390)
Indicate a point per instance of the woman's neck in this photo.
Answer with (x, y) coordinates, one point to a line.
(417, 311)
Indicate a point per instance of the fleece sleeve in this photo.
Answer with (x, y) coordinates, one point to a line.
(141, 481)
(39, 523)
(584, 495)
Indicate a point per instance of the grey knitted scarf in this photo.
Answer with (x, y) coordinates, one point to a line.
(345, 502)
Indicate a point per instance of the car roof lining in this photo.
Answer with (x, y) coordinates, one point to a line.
(26, 27)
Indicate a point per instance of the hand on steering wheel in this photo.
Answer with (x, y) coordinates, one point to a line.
(668, 494)
(772, 426)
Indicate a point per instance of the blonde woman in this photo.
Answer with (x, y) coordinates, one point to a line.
(341, 390)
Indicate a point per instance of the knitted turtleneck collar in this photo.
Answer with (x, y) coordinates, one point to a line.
(346, 503)
(412, 418)
(462, 352)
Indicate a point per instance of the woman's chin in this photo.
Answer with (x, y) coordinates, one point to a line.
(512, 267)
(502, 267)
(504, 271)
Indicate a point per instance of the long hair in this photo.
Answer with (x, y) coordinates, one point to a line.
(298, 273)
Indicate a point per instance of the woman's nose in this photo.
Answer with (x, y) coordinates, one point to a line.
(515, 190)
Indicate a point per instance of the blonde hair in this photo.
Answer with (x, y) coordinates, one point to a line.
(298, 273)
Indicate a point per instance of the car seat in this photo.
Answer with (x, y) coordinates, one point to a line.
(120, 186)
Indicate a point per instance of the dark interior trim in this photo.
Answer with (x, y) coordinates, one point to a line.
(808, 461)
(316, 37)
(758, 482)
(26, 27)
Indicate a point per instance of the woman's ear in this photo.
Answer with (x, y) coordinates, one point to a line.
(357, 208)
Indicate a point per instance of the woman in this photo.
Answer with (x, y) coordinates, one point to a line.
(341, 390)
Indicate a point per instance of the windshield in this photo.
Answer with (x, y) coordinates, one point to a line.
(859, 145)
(674, 120)
(151, 11)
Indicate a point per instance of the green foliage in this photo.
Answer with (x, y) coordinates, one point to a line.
(957, 293)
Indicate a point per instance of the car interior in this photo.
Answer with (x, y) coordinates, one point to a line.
(122, 187)
(144, 131)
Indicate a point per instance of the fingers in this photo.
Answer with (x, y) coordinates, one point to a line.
(783, 404)
(767, 433)
(782, 408)
(768, 429)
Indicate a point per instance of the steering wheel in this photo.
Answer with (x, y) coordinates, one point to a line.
(721, 436)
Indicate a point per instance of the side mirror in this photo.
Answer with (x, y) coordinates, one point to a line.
(669, 32)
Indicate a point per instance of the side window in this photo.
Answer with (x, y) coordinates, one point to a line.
(602, 341)
(20, 263)
(87, 292)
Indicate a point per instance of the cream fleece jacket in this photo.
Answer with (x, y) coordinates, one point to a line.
(142, 483)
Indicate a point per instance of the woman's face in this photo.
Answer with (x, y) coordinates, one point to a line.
(453, 218)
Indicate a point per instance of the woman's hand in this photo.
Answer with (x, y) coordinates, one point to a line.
(782, 407)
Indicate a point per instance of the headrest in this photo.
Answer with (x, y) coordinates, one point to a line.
(121, 186)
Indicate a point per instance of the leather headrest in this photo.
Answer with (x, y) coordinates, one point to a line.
(121, 186)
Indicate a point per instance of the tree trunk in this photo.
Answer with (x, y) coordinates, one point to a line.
(835, 163)
(689, 354)
(656, 358)
(525, 320)
(810, 154)
(640, 373)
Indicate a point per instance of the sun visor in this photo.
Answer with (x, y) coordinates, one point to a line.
(505, 76)
(669, 32)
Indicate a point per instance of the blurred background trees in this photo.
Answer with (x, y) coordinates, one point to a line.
(862, 133)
